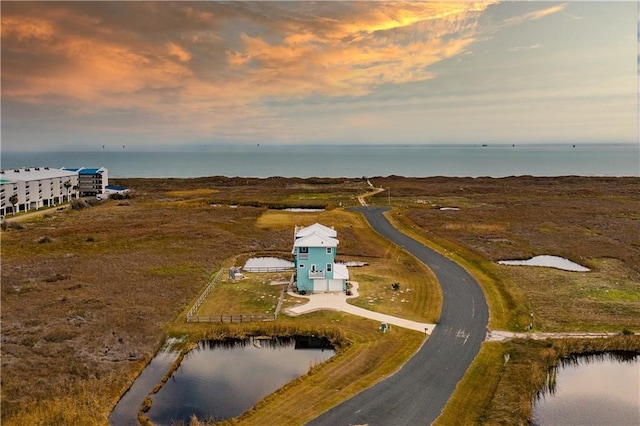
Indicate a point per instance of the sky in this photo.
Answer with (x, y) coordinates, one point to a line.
(80, 75)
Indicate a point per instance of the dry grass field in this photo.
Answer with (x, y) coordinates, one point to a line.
(591, 221)
(89, 295)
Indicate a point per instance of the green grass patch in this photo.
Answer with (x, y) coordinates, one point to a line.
(254, 294)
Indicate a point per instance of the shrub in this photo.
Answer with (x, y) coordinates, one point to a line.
(79, 204)
(117, 196)
(56, 277)
(395, 286)
(11, 225)
(45, 239)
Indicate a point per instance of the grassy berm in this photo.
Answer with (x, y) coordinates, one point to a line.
(88, 295)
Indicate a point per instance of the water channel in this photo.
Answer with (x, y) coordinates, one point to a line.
(220, 380)
(602, 389)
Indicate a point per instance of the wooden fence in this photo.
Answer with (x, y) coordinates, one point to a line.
(228, 318)
(204, 295)
(233, 318)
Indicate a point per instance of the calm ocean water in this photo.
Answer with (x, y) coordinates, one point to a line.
(350, 160)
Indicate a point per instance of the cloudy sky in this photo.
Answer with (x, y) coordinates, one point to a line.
(156, 74)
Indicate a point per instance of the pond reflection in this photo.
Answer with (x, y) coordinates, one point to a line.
(221, 379)
(598, 389)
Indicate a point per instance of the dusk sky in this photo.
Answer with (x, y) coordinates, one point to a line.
(79, 75)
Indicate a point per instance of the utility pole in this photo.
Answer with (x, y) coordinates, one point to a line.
(389, 195)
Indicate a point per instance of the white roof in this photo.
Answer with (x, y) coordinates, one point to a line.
(340, 271)
(318, 229)
(35, 173)
(315, 240)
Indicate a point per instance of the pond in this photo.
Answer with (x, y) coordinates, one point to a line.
(601, 389)
(303, 210)
(220, 380)
(267, 264)
(548, 261)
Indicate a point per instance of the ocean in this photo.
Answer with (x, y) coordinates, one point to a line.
(305, 161)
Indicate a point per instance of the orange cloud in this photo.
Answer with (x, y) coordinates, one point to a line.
(536, 14)
(26, 28)
(178, 52)
(212, 75)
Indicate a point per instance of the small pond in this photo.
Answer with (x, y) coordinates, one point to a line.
(599, 389)
(220, 380)
(303, 210)
(548, 261)
(267, 264)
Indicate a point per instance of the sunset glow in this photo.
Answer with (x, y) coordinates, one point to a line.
(83, 74)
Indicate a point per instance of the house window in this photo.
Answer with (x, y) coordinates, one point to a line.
(328, 250)
(303, 249)
(300, 266)
(329, 266)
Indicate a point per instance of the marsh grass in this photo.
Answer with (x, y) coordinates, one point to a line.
(525, 375)
(508, 308)
(66, 344)
(604, 299)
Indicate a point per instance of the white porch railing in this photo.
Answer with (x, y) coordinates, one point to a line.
(316, 274)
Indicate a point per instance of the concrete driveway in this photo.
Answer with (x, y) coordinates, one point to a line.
(338, 302)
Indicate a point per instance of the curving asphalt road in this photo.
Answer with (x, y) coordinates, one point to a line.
(417, 393)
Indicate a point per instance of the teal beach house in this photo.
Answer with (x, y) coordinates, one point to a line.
(314, 255)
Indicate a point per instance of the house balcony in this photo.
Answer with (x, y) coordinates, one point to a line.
(316, 275)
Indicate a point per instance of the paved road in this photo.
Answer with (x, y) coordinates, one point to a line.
(418, 392)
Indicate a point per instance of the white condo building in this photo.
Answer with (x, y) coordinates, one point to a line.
(36, 187)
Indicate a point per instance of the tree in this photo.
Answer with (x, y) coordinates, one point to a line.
(67, 185)
(14, 200)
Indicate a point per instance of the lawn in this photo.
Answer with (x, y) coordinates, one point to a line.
(257, 293)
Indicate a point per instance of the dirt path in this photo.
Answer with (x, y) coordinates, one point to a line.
(499, 336)
(37, 213)
(361, 198)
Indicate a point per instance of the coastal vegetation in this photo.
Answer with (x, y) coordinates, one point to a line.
(84, 313)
